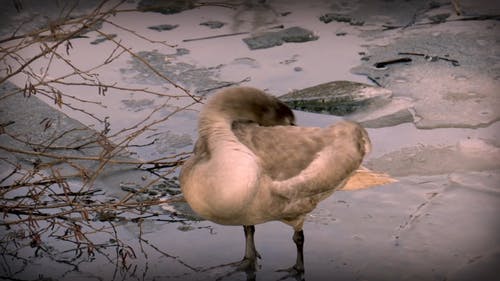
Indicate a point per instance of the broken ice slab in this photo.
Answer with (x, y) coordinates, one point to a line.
(165, 7)
(213, 24)
(276, 38)
(163, 27)
(101, 39)
(469, 154)
(452, 86)
(190, 76)
(327, 18)
(337, 98)
(398, 111)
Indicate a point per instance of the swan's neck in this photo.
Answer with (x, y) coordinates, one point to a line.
(216, 130)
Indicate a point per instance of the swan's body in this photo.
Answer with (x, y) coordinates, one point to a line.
(252, 165)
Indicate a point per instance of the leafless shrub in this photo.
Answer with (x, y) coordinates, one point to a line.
(41, 201)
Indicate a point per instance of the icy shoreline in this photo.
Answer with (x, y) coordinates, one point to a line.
(439, 222)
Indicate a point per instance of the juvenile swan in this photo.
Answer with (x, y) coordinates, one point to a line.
(252, 165)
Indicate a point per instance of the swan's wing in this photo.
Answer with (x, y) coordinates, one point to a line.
(282, 151)
(304, 162)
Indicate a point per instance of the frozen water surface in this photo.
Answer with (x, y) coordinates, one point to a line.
(438, 222)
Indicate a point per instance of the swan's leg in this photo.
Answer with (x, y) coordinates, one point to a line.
(298, 238)
(249, 261)
(250, 251)
(297, 271)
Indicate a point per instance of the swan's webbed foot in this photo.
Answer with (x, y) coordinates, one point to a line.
(246, 265)
(249, 263)
(295, 272)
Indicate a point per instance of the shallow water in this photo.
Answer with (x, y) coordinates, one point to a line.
(437, 223)
(420, 228)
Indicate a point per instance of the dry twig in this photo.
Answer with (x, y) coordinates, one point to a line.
(40, 198)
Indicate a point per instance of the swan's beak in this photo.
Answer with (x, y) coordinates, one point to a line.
(364, 178)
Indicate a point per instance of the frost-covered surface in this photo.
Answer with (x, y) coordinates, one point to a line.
(444, 95)
(439, 222)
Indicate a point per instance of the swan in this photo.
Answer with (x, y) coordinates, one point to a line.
(252, 165)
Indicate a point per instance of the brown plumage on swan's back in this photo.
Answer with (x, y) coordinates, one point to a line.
(252, 165)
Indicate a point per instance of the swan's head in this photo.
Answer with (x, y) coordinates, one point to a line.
(248, 104)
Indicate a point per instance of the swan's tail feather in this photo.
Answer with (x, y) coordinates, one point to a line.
(364, 178)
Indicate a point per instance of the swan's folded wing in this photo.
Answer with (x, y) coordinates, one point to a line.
(282, 151)
(304, 162)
